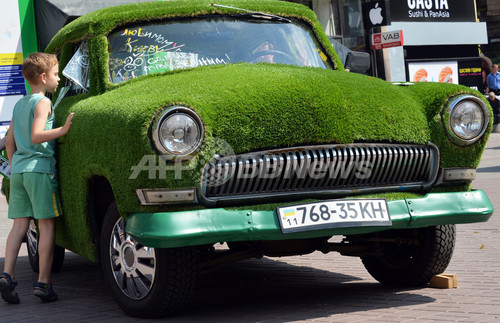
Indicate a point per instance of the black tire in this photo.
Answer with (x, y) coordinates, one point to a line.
(145, 282)
(410, 265)
(32, 247)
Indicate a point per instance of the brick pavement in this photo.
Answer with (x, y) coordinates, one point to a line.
(310, 288)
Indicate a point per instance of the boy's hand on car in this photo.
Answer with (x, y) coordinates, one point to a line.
(68, 122)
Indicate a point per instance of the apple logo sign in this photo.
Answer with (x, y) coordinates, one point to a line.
(376, 15)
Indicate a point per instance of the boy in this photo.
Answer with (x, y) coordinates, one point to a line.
(33, 187)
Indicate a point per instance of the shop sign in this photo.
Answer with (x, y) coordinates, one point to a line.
(433, 10)
(376, 14)
(11, 54)
(470, 73)
(387, 39)
(11, 76)
(437, 71)
(464, 71)
(12, 85)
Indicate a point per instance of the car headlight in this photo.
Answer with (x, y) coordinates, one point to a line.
(466, 118)
(178, 132)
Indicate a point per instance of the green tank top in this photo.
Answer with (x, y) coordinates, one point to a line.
(31, 158)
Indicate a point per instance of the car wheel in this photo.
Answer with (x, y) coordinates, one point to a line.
(32, 247)
(425, 253)
(145, 282)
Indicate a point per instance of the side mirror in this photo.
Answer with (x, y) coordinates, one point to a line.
(357, 62)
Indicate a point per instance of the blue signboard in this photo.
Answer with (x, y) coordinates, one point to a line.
(11, 80)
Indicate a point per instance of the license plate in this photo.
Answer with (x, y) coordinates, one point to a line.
(334, 214)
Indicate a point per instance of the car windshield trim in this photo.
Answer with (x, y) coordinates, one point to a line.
(255, 14)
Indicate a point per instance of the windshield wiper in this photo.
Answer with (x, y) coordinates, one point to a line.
(255, 14)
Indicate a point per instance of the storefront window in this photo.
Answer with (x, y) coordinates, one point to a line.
(328, 14)
(342, 20)
(352, 23)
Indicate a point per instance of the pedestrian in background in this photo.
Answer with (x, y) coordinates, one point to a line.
(493, 80)
(486, 66)
(495, 105)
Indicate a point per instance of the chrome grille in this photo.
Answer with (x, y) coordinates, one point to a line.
(304, 170)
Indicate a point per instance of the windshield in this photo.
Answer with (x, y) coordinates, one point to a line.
(155, 48)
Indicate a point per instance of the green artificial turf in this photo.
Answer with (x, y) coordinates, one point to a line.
(249, 106)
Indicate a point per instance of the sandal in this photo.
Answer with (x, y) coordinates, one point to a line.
(7, 288)
(45, 292)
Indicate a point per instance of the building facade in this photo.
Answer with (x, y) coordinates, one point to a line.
(489, 11)
(441, 38)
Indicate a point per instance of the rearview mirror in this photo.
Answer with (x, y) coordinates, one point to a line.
(357, 62)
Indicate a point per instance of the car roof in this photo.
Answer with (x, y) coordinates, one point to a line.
(101, 22)
(104, 20)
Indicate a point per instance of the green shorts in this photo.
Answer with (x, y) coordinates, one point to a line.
(34, 195)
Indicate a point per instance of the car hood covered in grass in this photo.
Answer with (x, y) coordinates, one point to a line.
(253, 107)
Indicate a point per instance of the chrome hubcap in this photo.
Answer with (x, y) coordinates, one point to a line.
(133, 265)
(32, 237)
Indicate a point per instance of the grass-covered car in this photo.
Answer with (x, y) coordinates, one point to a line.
(236, 123)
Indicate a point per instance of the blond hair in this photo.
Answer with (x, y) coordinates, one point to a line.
(36, 64)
